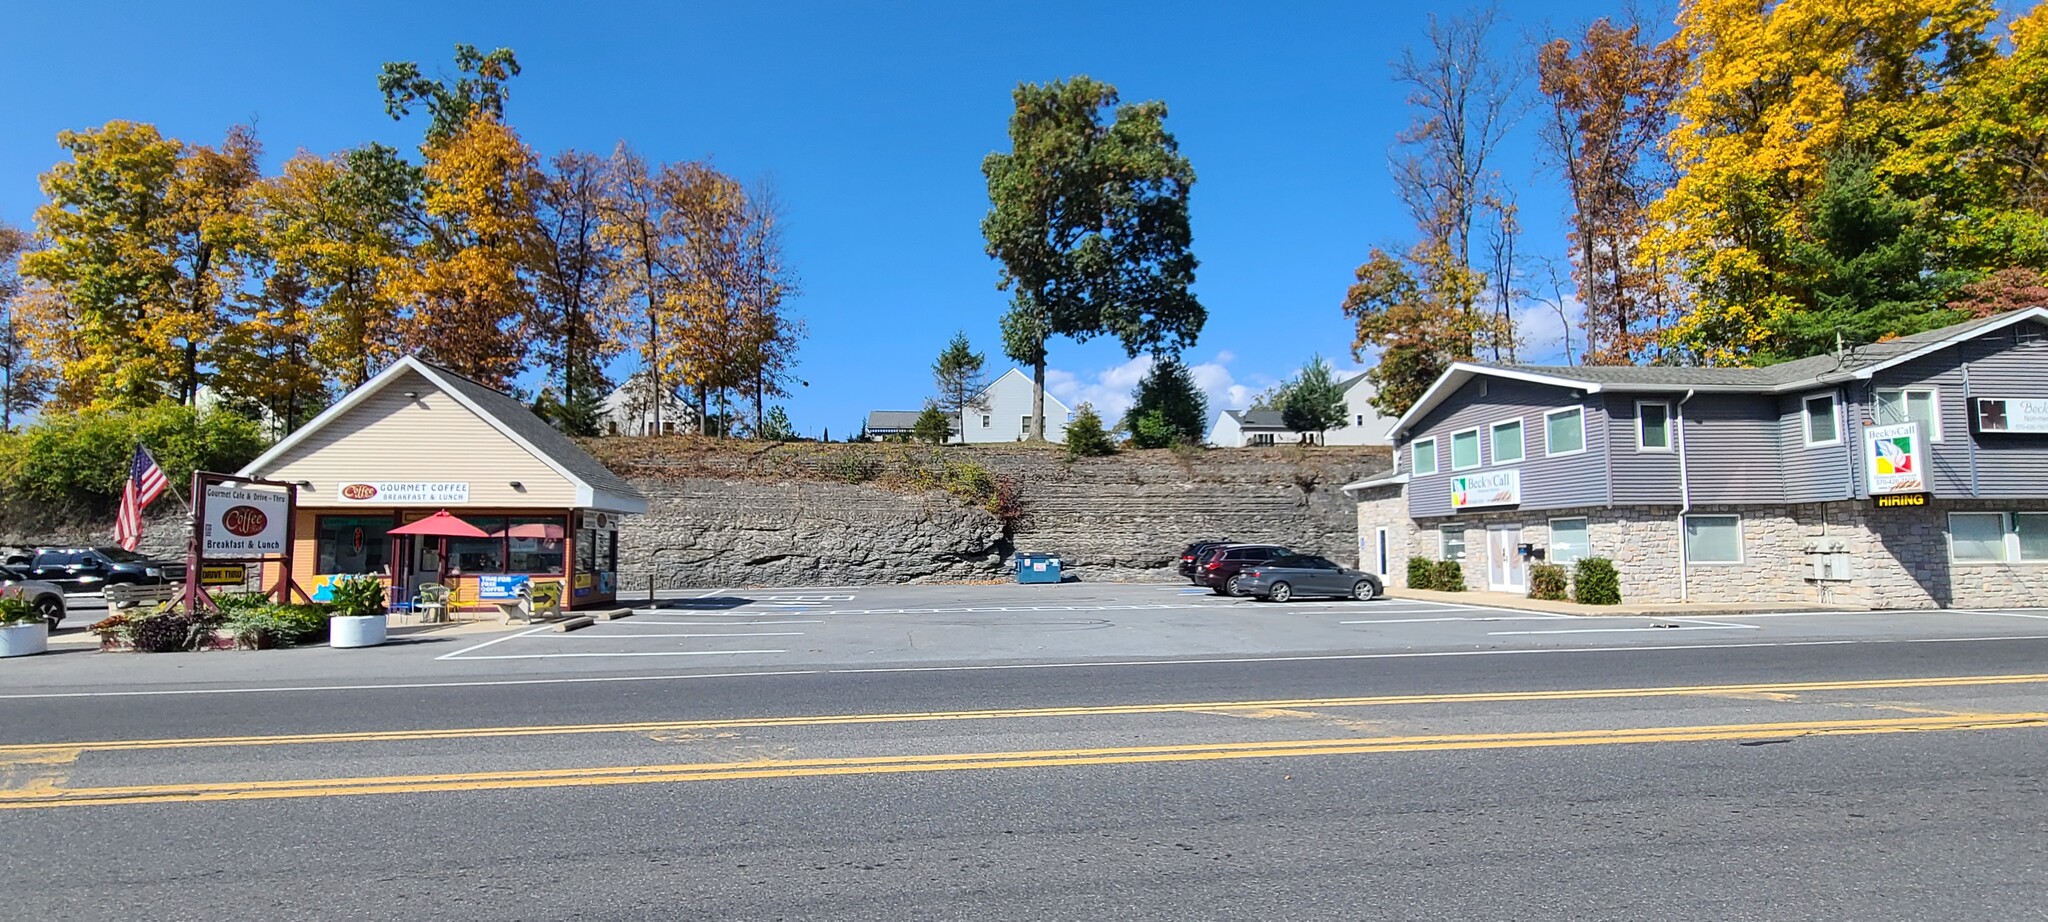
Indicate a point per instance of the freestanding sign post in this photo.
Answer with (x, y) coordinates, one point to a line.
(241, 520)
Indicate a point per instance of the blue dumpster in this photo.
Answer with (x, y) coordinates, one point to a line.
(1038, 568)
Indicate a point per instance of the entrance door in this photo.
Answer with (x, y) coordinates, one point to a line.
(1380, 538)
(1505, 569)
(426, 564)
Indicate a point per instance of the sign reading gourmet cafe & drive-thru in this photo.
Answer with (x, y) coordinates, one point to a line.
(243, 522)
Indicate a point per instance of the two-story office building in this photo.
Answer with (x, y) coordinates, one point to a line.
(1911, 473)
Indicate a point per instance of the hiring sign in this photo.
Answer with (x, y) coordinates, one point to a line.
(243, 521)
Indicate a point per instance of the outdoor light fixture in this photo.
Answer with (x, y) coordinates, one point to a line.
(304, 484)
(412, 395)
(516, 485)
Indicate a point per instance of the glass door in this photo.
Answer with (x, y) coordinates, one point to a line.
(1505, 569)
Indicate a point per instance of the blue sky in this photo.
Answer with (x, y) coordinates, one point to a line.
(871, 120)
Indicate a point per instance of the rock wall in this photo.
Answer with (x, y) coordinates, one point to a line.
(1122, 517)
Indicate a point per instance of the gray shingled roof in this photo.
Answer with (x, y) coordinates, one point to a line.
(537, 433)
(1258, 419)
(901, 421)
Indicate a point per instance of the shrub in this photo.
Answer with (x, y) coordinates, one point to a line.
(1421, 573)
(14, 609)
(165, 630)
(1548, 581)
(932, 425)
(66, 457)
(1085, 436)
(358, 596)
(1450, 576)
(273, 625)
(1151, 430)
(1596, 583)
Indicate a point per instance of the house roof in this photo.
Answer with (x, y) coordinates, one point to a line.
(1858, 363)
(1257, 419)
(596, 486)
(901, 421)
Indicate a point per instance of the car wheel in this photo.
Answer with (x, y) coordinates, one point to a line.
(1364, 590)
(1232, 587)
(51, 610)
(1280, 592)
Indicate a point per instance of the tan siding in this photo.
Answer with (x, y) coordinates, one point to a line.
(393, 437)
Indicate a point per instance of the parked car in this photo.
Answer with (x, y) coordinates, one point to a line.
(17, 558)
(1193, 556)
(46, 599)
(89, 569)
(1220, 565)
(1284, 578)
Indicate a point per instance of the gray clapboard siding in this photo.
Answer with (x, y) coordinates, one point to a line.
(2006, 363)
(1639, 476)
(1547, 483)
(1822, 472)
(1732, 449)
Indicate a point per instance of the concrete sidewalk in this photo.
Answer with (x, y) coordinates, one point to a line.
(1524, 603)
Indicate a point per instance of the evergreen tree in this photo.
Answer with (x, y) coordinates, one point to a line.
(932, 425)
(1086, 438)
(1313, 400)
(958, 374)
(1167, 407)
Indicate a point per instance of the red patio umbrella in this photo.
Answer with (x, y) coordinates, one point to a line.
(546, 531)
(442, 524)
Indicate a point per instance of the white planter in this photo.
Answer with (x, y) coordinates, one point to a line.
(358, 631)
(24, 639)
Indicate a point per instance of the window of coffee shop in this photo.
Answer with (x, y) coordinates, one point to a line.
(352, 543)
(512, 544)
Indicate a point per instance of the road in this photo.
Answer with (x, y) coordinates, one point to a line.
(1832, 768)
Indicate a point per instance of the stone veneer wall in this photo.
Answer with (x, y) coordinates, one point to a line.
(1899, 557)
(1123, 517)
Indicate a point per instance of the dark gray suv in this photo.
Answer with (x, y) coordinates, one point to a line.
(90, 569)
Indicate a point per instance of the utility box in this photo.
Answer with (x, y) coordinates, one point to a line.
(1038, 568)
(1829, 561)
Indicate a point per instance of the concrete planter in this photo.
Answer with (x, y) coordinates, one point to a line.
(24, 639)
(356, 631)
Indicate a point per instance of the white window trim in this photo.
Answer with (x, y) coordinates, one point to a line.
(1443, 542)
(1806, 419)
(1522, 427)
(1415, 451)
(1547, 414)
(1933, 400)
(1477, 462)
(1685, 549)
(2008, 539)
(1552, 525)
(2012, 532)
(1666, 447)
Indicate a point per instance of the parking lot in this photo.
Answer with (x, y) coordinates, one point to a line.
(914, 627)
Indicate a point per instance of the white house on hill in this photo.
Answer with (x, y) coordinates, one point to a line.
(629, 410)
(1363, 425)
(1003, 414)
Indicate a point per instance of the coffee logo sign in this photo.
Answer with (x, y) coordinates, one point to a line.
(359, 492)
(244, 521)
(405, 492)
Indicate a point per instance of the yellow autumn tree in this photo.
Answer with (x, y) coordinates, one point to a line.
(1778, 92)
(464, 287)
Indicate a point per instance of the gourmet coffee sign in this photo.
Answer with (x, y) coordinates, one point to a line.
(404, 492)
(243, 522)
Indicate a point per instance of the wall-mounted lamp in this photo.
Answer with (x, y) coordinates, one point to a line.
(516, 485)
(304, 484)
(1578, 394)
(412, 395)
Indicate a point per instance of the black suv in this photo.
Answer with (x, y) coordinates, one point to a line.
(1219, 565)
(88, 569)
(1190, 557)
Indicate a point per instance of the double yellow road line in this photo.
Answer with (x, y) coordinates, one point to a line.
(825, 720)
(886, 765)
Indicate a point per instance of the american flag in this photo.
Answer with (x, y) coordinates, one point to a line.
(146, 482)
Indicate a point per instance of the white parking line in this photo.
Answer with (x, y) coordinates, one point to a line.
(583, 635)
(1632, 630)
(525, 633)
(636, 622)
(494, 656)
(2000, 614)
(1428, 620)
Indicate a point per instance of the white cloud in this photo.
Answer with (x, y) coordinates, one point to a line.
(1543, 332)
(1109, 390)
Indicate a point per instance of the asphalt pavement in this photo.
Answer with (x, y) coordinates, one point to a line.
(1113, 752)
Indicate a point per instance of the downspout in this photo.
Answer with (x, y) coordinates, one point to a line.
(1607, 446)
(1684, 499)
(1970, 437)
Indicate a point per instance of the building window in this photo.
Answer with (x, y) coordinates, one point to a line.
(1564, 432)
(984, 421)
(1464, 449)
(1913, 404)
(1977, 537)
(1822, 428)
(1568, 541)
(1361, 420)
(1025, 426)
(2031, 531)
(351, 543)
(1653, 426)
(1507, 442)
(479, 555)
(1422, 457)
(1713, 539)
(533, 544)
(1452, 541)
(1262, 438)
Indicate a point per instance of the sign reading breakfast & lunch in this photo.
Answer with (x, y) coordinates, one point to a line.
(1493, 488)
(1895, 459)
(243, 521)
(410, 492)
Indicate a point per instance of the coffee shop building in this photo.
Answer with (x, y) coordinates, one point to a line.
(1910, 473)
(418, 439)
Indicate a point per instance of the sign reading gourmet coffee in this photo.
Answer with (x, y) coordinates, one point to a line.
(2010, 414)
(1494, 488)
(243, 521)
(416, 492)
